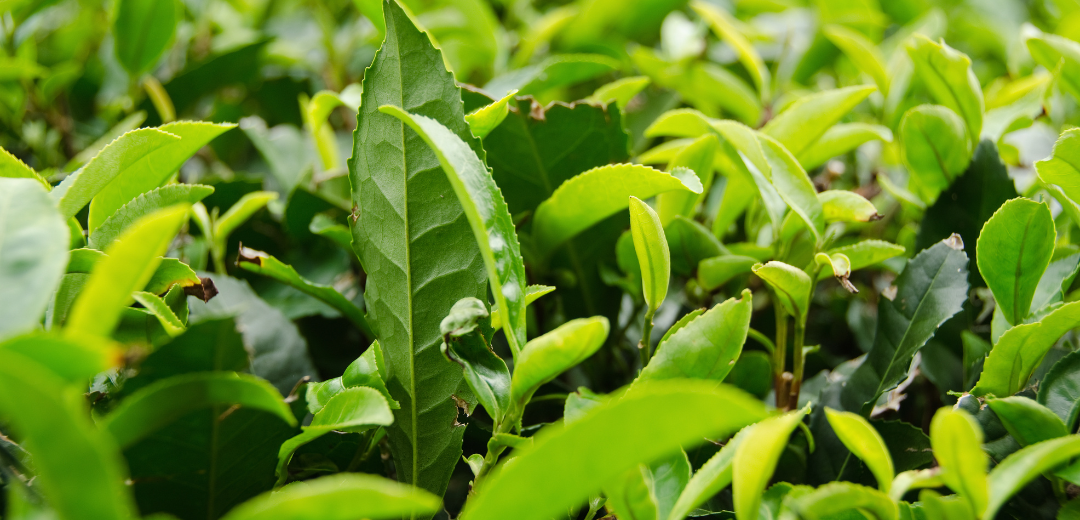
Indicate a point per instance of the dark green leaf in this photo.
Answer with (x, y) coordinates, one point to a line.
(1060, 390)
(1007, 478)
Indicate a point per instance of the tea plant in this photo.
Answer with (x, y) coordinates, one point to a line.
(591, 259)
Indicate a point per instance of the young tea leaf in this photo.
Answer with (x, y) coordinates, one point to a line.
(1014, 249)
(706, 347)
(957, 441)
(1020, 350)
(756, 458)
(652, 252)
(864, 442)
(344, 496)
(947, 74)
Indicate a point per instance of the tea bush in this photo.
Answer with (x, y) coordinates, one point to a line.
(539, 259)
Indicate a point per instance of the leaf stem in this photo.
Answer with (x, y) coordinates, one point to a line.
(762, 339)
(780, 355)
(645, 345)
(799, 360)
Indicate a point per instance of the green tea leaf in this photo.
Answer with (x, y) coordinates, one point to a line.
(756, 458)
(864, 442)
(157, 306)
(1059, 389)
(862, 52)
(716, 271)
(111, 228)
(698, 157)
(598, 193)
(1014, 249)
(706, 347)
(791, 286)
(936, 148)
(621, 91)
(947, 74)
(650, 490)
(957, 442)
(485, 372)
(1053, 52)
(159, 404)
(710, 479)
(1055, 281)
(266, 265)
(34, 241)
(569, 462)
(488, 216)
(1060, 169)
(794, 186)
(484, 119)
(932, 288)
(802, 123)
(689, 244)
(532, 293)
(846, 206)
(840, 139)
(1013, 473)
(725, 28)
(127, 153)
(1019, 351)
(344, 496)
(131, 262)
(13, 168)
(353, 409)
(652, 252)
(239, 213)
(73, 360)
(142, 30)
(169, 272)
(937, 507)
(367, 370)
(555, 71)
(399, 197)
(549, 355)
(79, 468)
(155, 169)
(835, 498)
(1026, 420)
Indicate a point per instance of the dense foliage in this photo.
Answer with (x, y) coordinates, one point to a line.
(285, 259)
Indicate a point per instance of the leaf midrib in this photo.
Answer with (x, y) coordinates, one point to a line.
(1018, 270)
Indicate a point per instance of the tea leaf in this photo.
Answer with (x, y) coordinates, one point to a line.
(864, 442)
(483, 120)
(1060, 389)
(957, 441)
(34, 239)
(1013, 473)
(1026, 420)
(142, 31)
(947, 74)
(756, 458)
(862, 52)
(846, 206)
(1014, 249)
(706, 347)
(111, 228)
(791, 286)
(549, 355)
(804, 122)
(343, 496)
(1020, 350)
(568, 462)
(159, 404)
(652, 252)
(710, 479)
(936, 148)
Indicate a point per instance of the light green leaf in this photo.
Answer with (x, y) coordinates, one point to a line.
(915, 479)
(756, 458)
(142, 30)
(794, 185)
(1014, 249)
(367, 370)
(839, 266)
(352, 410)
(155, 169)
(74, 359)
(932, 288)
(652, 252)
(1053, 52)
(840, 139)
(864, 442)
(164, 401)
(129, 152)
(791, 286)
(726, 28)
(34, 241)
(952, 507)
(1026, 420)
(13, 168)
(867, 252)
(131, 262)
(862, 52)
(698, 157)
(707, 346)
(266, 265)
(111, 228)
(832, 499)
(710, 479)
(594, 195)
(1020, 349)
(716, 271)
(79, 469)
(846, 206)
(621, 91)
(532, 293)
(344, 496)
(1013, 473)
(648, 491)
(947, 74)
(555, 71)
(399, 198)
(325, 226)
(488, 216)
(168, 273)
(464, 343)
(569, 462)
(547, 356)
(936, 148)
(679, 122)
(803, 122)
(957, 441)
(156, 306)
(1055, 281)
(1061, 168)
(484, 119)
